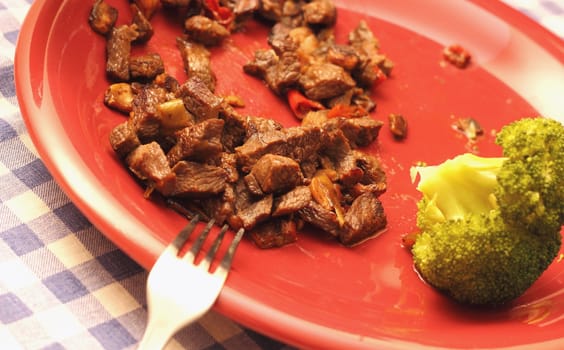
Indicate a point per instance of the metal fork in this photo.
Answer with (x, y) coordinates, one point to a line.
(179, 291)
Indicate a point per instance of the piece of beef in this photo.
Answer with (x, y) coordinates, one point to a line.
(228, 162)
(362, 39)
(285, 74)
(275, 174)
(271, 9)
(280, 40)
(256, 212)
(363, 100)
(205, 30)
(148, 7)
(263, 59)
(102, 17)
(320, 12)
(398, 126)
(364, 219)
(148, 162)
(144, 116)
(243, 8)
(199, 99)
(274, 233)
(234, 129)
(372, 64)
(238, 128)
(298, 143)
(146, 67)
(220, 207)
(325, 80)
(279, 72)
(197, 142)
(197, 180)
(118, 51)
(373, 172)
(360, 132)
(343, 55)
(292, 201)
(335, 144)
(123, 139)
(196, 61)
(141, 24)
(348, 170)
(324, 219)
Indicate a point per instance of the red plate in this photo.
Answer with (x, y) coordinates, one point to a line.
(316, 293)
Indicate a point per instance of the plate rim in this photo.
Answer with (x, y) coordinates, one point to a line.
(231, 302)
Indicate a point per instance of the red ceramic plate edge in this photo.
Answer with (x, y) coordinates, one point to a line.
(240, 307)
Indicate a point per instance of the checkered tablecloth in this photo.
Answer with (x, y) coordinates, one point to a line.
(63, 285)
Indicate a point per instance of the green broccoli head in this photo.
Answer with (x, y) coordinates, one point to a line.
(478, 260)
(531, 182)
(491, 226)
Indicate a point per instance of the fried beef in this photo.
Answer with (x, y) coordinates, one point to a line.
(184, 142)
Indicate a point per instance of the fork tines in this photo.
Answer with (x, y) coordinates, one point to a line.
(185, 233)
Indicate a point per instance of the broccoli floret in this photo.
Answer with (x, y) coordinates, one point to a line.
(489, 227)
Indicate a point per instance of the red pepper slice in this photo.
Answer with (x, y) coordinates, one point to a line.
(301, 105)
(346, 111)
(380, 75)
(220, 13)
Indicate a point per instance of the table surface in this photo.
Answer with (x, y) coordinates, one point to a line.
(63, 285)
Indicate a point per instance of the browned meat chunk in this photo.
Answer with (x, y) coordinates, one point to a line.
(279, 73)
(205, 30)
(457, 55)
(198, 142)
(271, 9)
(398, 126)
(372, 170)
(320, 217)
(344, 56)
(359, 131)
(196, 60)
(262, 61)
(199, 100)
(325, 80)
(292, 201)
(280, 39)
(123, 139)
(147, 7)
(320, 12)
(118, 50)
(141, 24)
(242, 8)
(148, 162)
(239, 128)
(102, 17)
(274, 233)
(297, 143)
(364, 219)
(275, 174)
(145, 117)
(197, 180)
(256, 212)
(373, 66)
(146, 67)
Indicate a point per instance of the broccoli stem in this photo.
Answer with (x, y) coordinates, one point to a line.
(460, 186)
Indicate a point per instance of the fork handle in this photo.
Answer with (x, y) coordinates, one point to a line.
(155, 337)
